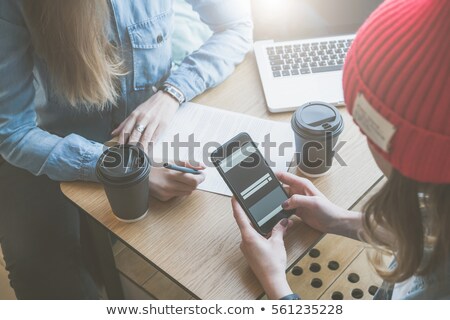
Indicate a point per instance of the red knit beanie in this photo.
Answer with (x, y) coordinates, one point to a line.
(397, 86)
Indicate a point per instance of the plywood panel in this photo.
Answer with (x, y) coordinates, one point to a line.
(358, 282)
(314, 274)
(163, 288)
(134, 267)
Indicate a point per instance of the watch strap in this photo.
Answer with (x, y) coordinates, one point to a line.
(174, 92)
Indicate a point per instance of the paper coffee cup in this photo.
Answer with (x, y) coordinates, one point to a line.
(317, 126)
(123, 170)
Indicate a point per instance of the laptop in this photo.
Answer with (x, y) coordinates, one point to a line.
(309, 68)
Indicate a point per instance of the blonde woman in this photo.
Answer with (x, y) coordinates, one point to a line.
(72, 75)
(396, 84)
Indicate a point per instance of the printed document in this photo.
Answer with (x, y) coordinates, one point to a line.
(197, 130)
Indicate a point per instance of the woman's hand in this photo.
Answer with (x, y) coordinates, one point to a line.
(316, 210)
(148, 121)
(166, 184)
(266, 257)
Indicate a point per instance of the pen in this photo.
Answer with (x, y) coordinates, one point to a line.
(180, 169)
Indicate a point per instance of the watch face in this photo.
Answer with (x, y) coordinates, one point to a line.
(174, 92)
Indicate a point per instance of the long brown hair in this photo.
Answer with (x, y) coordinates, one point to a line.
(417, 215)
(71, 37)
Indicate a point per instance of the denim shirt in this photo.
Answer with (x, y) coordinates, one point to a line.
(435, 286)
(46, 136)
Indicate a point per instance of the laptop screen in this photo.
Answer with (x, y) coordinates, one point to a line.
(302, 19)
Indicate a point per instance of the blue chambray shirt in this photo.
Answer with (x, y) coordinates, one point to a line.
(44, 135)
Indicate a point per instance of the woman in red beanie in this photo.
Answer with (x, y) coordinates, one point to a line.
(397, 87)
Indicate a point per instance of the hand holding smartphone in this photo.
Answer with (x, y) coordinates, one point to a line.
(252, 182)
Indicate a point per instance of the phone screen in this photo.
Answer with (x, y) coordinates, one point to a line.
(253, 182)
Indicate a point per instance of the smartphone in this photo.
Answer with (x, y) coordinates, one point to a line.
(252, 182)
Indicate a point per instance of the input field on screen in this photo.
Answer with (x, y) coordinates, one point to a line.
(270, 215)
(261, 182)
(237, 157)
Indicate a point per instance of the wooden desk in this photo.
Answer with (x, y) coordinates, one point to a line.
(195, 241)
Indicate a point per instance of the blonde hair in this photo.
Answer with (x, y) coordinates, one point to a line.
(72, 38)
(417, 215)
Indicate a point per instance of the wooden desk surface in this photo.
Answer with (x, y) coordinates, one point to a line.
(195, 240)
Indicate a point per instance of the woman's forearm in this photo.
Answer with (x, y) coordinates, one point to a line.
(216, 59)
(276, 287)
(350, 225)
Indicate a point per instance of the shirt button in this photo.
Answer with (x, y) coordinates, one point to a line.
(159, 39)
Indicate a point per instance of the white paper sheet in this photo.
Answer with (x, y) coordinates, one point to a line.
(211, 128)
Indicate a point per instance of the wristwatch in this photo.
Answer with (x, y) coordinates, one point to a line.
(174, 92)
(292, 296)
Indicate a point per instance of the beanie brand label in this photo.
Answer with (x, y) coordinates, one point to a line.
(372, 123)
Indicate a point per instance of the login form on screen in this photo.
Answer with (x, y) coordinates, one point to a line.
(261, 193)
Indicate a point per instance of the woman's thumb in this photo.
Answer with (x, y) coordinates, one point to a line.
(280, 228)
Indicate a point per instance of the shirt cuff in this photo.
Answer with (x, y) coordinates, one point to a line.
(89, 161)
(188, 82)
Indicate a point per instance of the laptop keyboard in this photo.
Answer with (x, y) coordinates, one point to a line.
(307, 58)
